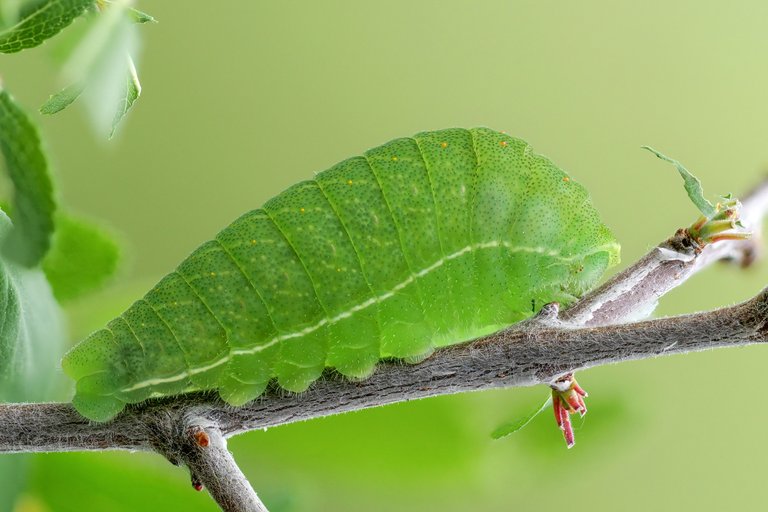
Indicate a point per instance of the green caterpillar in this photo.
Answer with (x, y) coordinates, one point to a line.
(422, 242)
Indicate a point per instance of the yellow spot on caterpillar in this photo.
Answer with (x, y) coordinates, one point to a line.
(566, 179)
(443, 145)
(253, 242)
(349, 182)
(503, 143)
(394, 159)
(302, 210)
(338, 270)
(213, 274)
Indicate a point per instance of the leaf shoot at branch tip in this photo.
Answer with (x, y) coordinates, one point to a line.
(716, 221)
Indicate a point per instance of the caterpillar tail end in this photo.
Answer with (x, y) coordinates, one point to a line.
(90, 364)
(567, 398)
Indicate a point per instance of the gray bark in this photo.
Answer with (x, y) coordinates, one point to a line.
(535, 352)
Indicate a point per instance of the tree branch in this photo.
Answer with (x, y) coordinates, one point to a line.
(533, 352)
(590, 333)
(212, 466)
(634, 293)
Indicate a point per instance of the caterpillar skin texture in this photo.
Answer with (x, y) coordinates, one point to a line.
(423, 242)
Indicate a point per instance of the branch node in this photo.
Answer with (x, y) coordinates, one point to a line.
(684, 244)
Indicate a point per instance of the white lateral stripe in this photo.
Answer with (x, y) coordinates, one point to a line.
(359, 307)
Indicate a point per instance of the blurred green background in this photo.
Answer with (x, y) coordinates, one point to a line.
(242, 99)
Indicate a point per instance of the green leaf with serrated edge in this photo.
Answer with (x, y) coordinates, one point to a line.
(32, 336)
(521, 423)
(81, 259)
(101, 62)
(62, 99)
(27, 167)
(38, 21)
(692, 185)
(132, 93)
(410, 247)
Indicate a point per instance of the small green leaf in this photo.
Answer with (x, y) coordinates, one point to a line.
(692, 185)
(135, 15)
(27, 167)
(82, 258)
(140, 16)
(132, 93)
(62, 99)
(519, 424)
(38, 21)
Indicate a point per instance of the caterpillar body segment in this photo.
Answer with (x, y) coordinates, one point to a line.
(422, 242)
(375, 238)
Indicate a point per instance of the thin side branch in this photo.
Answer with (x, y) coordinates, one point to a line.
(592, 332)
(212, 466)
(634, 293)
